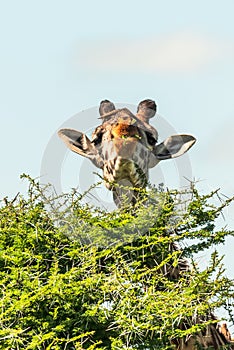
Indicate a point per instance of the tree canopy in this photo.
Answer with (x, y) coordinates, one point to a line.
(77, 277)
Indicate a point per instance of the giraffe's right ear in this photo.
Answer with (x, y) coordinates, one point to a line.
(79, 143)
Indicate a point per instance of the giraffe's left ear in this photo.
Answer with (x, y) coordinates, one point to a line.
(79, 143)
(174, 146)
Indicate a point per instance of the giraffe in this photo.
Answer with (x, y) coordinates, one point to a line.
(214, 336)
(125, 147)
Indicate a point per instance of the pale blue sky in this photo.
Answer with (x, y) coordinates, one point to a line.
(61, 57)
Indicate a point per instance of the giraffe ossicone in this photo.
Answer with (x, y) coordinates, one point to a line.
(125, 146)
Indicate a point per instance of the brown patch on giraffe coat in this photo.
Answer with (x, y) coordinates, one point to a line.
(125, 130)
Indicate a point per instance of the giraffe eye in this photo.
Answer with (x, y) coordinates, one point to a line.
(151, 140)
(98, 139)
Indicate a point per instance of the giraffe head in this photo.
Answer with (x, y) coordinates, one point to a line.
(125, 146)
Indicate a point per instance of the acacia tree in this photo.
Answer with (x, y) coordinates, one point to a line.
(76, 277)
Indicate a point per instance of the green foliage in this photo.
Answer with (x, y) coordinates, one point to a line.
(75, 277)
